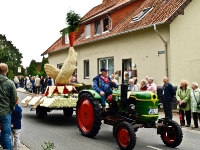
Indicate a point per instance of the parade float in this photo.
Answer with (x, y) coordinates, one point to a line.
(64, 95)
(127, 111)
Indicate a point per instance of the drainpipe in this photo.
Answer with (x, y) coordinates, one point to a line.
(166, 52)
(110, 21)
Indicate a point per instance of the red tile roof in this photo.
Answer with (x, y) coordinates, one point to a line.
(162, 12)
(104, 8)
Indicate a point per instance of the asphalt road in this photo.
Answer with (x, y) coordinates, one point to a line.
(64, 133)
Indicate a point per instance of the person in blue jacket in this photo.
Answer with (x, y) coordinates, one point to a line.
(168, 96)
(16, 125)
(102, 84)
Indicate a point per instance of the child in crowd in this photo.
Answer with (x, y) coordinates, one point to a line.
(16, 125)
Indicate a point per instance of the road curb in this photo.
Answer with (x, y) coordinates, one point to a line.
(24, 147)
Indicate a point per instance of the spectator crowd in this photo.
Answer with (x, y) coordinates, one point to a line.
(37, 84)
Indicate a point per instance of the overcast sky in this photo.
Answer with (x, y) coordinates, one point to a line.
(34, 25)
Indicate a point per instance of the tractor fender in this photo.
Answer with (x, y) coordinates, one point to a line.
(93, 93)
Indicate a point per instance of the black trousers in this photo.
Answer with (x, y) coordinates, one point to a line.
(196, 116)
(188, 116)
(168, 109)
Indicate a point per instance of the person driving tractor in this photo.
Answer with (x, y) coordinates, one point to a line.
(102, 84)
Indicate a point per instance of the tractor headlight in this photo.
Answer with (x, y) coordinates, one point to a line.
(116, 98)
(132, 106)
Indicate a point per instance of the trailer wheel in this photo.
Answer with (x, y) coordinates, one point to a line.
(125, 136)
(41, 112)
(171, 135)
(88, 115)
(136, 129)
(68, 112)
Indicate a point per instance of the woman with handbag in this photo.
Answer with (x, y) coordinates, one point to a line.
(183, 98)
(195, 103)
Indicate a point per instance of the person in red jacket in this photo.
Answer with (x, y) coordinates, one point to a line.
(143, 85)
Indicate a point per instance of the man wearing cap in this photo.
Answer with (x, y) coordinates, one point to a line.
(102, 84)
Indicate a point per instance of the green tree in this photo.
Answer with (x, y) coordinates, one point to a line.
(32, 69)
(10, 55)
(42, 71)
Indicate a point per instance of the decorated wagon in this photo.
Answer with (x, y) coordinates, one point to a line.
(63, 96)
(55, 97)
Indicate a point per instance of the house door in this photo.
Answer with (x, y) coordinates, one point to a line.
(127, 63)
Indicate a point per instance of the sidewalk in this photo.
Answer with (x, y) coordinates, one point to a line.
(22, 147)
(19, 89)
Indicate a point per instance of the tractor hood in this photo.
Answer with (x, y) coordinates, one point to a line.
(137, 94)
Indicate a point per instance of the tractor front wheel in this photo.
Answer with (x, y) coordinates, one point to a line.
(125, 136)
(88, 115)
(172, 134)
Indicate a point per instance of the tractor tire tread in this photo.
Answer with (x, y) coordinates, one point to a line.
(132, 136)
(179, 135)
(97, 116)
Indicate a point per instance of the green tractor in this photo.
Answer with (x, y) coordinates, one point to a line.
(127, 112)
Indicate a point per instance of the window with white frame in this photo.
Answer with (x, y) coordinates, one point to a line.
(97, 29)
(59, 66)
(86, 69)
(107, 63)
(143, 13)
(66, 38)
(105, 24)
(87, 31)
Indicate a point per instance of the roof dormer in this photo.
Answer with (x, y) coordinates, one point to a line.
(108, 1)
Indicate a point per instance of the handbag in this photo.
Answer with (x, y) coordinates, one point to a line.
(183, 105)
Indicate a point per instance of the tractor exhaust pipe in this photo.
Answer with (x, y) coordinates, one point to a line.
(124, 89)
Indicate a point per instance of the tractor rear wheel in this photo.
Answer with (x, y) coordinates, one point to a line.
(88, 115)
(125, 136)
(68, 112)
(172, 135)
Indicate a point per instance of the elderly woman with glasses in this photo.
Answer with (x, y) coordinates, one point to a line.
(183, 97)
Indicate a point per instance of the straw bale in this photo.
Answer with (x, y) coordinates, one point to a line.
(67, 68)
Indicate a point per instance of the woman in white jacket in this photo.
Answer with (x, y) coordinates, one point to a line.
(195, 101)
